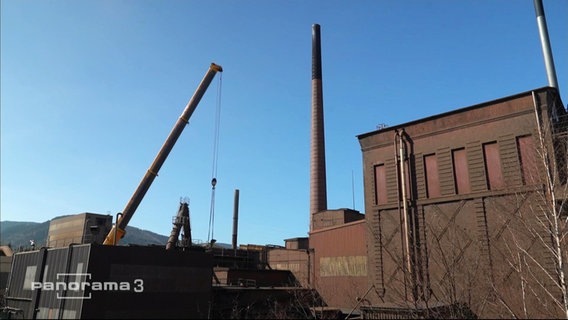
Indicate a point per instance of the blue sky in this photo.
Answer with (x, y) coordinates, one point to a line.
(91, 89)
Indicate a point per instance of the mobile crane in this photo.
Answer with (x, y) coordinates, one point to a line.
(119, 228)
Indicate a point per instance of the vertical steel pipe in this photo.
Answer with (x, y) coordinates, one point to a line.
(545, 43)
(235, 218)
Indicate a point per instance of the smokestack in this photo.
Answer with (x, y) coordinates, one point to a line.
(545, 42)
(318, 192)
(235, 218)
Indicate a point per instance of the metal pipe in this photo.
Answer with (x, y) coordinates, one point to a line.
(152, 172)
(545, 43)
(399, 209)
(402, 155)
(318, 192)
(235, 218)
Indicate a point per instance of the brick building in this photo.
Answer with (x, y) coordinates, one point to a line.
(458, 207)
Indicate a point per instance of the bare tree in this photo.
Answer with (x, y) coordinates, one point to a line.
(533, 235)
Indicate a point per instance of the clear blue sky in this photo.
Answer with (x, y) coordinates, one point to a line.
(91, 89)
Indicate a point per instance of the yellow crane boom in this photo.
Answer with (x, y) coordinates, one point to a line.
(119, 229)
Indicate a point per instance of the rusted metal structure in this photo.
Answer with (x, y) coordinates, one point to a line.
(449, 199)
(297, 243)
(181, 222)
(336, 217)
(295, 257)
(340, 263)
(297, 261)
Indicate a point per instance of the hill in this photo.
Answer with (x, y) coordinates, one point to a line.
(19, 233)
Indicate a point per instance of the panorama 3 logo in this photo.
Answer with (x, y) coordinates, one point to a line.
(69, 285)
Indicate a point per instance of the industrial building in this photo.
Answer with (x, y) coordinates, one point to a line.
(454, 201)
(81, 228)
(96, 281)
(465, 212)
(85, 279)
(447, 199)
(462, 210)
(448, 202)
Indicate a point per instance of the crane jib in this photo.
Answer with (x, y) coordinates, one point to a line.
(118, 230)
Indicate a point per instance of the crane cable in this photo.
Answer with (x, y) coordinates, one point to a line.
(215, 161)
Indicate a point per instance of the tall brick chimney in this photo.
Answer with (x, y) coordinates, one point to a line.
(318, 192)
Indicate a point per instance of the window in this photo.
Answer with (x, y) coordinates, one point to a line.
(431, 173)
(461, 174)
(493, 166)
(380, 184)
(29, 277)
(527, 157)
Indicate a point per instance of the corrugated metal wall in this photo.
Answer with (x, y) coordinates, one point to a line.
(118, 282)
(50, 268)
(59, 264)
(18, 292)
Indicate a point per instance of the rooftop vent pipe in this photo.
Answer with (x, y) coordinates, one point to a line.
(545, 42)
(318, 192)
